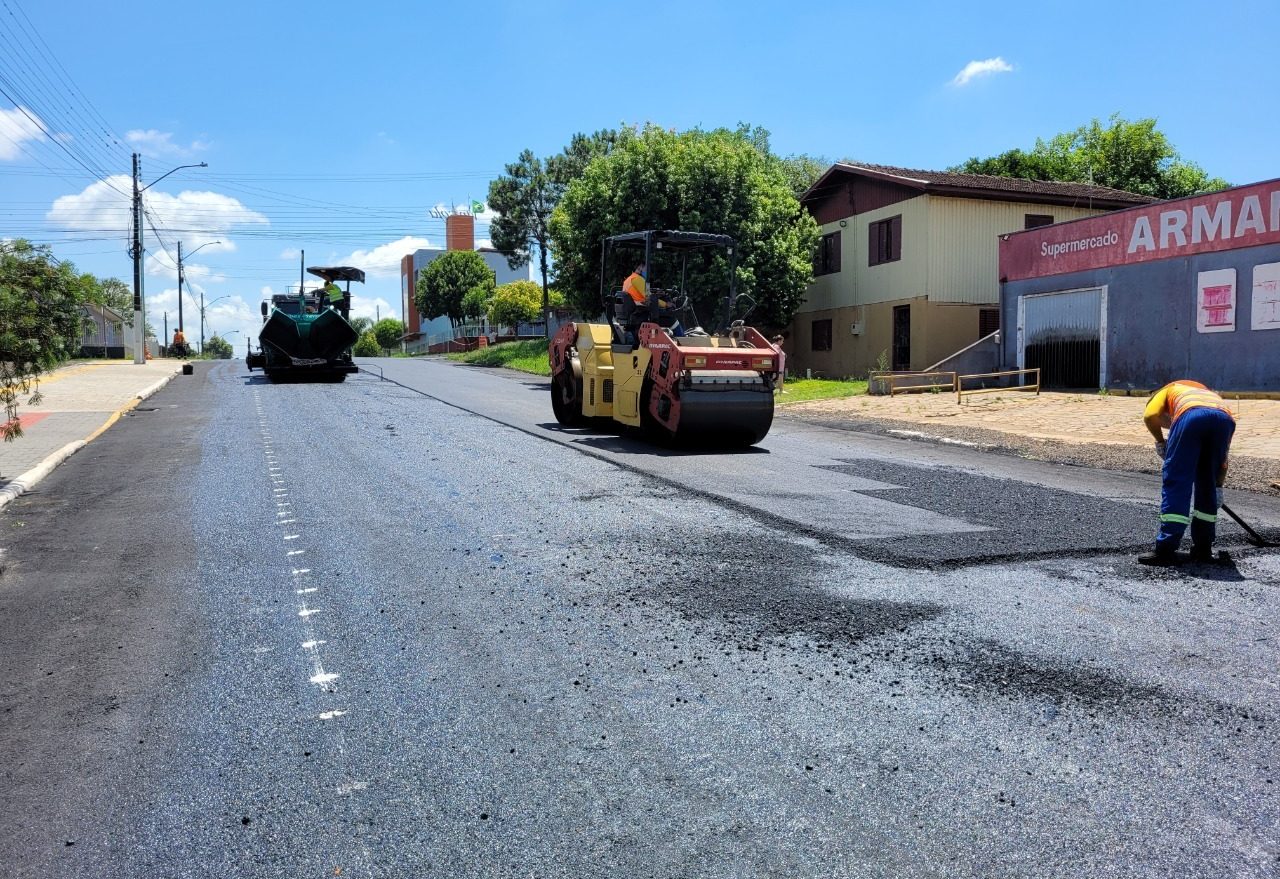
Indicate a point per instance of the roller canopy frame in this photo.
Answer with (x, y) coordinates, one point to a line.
(337, 273)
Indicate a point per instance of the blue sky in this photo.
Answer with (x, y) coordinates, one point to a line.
(336, 127)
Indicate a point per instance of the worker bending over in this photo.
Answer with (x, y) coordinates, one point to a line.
(1195, 466)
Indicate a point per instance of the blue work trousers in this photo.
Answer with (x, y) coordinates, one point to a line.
(1197, 449)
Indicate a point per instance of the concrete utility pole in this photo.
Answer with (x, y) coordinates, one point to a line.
(166, 332)
(139, 331)
(136, 253)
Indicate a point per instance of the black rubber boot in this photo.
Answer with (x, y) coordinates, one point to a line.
(1203, 555)
(1159, 558)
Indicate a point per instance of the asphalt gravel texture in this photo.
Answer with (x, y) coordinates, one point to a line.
(359, 630)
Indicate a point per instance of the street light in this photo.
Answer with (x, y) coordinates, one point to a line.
(197, 250)
(139, 330)
(202, 310)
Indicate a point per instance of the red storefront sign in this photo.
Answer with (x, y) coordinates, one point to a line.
(1227, 220)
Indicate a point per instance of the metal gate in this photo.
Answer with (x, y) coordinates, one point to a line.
(1062, 334)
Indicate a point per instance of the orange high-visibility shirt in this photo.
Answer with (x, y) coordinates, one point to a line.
(634, 287)
(1168, 403)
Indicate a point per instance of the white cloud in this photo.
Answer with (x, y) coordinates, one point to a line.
(159, 264)
(383, 261)
(484, 244)
(15, 128)
(975, 69)
(290, 253)
(195, 218)
(365, 306)
(160, 144)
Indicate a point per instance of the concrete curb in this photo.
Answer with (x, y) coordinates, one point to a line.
(27, 481)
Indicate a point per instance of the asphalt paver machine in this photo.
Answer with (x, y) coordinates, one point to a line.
(644, 369)
(306, 338)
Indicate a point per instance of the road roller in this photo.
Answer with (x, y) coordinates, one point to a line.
(647, 369)
(305, 336)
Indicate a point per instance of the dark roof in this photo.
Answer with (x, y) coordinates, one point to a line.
(672, 239)
(337, 273)
(983, 186)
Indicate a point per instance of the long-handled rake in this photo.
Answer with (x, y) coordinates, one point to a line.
(1254, 537)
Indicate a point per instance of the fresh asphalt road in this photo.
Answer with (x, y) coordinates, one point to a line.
(413, 628)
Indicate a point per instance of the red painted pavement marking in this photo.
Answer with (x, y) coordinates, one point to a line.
(30, 418)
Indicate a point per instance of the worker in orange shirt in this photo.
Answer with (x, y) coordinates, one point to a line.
(1195, 466)
(635, 287)
(179, 345)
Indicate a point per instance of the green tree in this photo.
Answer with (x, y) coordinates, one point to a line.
(520, 302)
(388, 332)
(1132, 156)
(699, 181)
(527, 193)
(803, 171)
(217, 348)
(367, 345)
(475, 304)
(361, 325)
(447, 279)
(40, 322)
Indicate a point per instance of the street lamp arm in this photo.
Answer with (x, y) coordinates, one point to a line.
(166, 174)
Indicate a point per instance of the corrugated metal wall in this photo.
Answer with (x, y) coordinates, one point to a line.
(1061, 333)
(964, 236)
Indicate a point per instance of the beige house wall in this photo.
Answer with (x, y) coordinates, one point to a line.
(857, 283)
(964, 250)
(938, 330)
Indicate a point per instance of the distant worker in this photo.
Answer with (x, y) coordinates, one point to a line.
(179, 345)
(1195, 466)
(333, 293)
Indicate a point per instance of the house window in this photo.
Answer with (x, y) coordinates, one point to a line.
(988, 322)
(885, 241)
(1035, 221)
(821, 335)
(826, 259)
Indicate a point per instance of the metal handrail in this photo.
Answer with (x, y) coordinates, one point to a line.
(961, 393)
(890, 378)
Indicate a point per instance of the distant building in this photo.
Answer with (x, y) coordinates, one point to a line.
(105, 333)
(907, 266)
(459, 235)
(1188, 288)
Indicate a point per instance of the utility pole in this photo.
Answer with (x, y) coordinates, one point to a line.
(165, 340)
(202, 322)
(136, 251)
(166, 332)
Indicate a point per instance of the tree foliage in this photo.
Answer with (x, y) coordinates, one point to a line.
(388, 332)
(475, 304)
(520, 302)
(1132, 156)
(40, 322)
(447, 279)
(802, 171)
(367, 345)
(723, 181)
(529, 190)
(217, 348)
(361, 325)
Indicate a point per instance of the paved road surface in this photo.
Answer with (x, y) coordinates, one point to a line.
(262, 630)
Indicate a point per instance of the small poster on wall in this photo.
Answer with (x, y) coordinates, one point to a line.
(1265, 313)
(1216, 301)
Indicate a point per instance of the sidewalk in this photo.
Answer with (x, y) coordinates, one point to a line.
(79, 401)
(1102, 431)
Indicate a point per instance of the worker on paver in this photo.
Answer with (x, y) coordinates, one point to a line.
(179, 345)
(1195, 466)
(333, 293)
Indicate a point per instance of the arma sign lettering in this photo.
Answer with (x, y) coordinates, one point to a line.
(1244, 217)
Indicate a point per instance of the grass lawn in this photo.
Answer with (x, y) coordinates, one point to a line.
(528, 356)
(804, 389)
